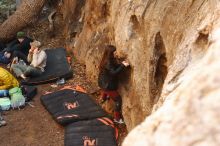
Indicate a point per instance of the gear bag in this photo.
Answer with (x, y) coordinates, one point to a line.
(5, 103)
(29, 92)
(17, 98)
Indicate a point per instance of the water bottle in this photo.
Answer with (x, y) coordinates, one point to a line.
(4, 93)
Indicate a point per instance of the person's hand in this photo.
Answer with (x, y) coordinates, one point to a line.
(7, 55)
(15, 60)
(35, 51)
(31, 51)
(125, 63)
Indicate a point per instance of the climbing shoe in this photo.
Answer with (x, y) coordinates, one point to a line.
(2, 123)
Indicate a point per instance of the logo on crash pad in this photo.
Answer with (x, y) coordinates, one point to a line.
(88, 141)
(71, 105)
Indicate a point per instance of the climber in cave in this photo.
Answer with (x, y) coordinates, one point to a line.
(108, 80)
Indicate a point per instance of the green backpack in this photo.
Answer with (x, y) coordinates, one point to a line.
(17, 99)
(5, 103)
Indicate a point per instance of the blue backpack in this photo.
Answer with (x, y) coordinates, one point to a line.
(4, 93)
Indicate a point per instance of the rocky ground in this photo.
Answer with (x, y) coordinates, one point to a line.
(34, 126)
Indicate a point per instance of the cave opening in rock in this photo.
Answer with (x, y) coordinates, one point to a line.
(202, 40)
(135, 22)
(105, 10)
(159, 67)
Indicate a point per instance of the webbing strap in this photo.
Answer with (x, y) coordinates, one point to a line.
(67, 116)
(76, 88)
(104, 122)
(108, 122)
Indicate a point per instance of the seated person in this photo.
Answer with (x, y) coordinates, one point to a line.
(37, 58)
(18, 48)
(7, 80)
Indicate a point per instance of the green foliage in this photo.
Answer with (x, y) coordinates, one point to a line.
(7, 4)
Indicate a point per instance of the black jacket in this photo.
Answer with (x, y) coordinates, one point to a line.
(108, 78)
(2, 46)
(24, 46)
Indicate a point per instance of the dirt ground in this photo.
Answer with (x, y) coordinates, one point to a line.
(34, 126)
(31, 126)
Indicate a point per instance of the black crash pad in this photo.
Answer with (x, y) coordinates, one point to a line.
(67, 106)
(96, 132)
(57, 67)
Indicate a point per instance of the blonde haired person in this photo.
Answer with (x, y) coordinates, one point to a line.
(37, 58)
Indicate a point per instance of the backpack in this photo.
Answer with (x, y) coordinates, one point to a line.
(29, 92)
(5, 103)
(17, 98)
(4, 93)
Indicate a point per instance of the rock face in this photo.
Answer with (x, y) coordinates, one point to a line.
(165, 42)
(190, 114)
